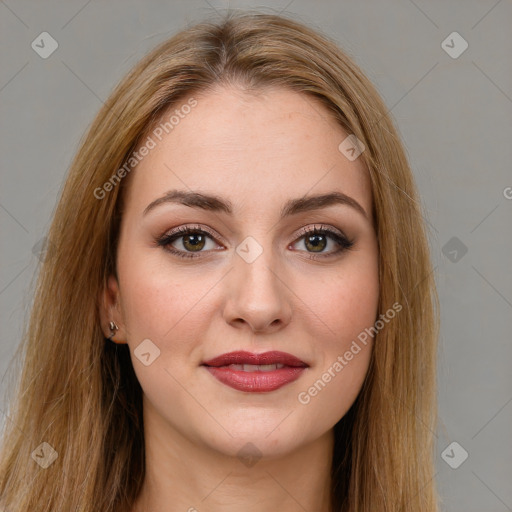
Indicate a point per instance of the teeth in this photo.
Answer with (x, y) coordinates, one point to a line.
(251, 368)
(268, 367)
(255, 367)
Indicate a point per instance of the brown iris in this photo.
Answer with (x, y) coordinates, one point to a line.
(194, 242)
(313, 241)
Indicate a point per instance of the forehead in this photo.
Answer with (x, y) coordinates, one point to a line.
(267, 146)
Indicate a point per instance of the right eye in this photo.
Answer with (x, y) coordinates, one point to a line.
(193, 241)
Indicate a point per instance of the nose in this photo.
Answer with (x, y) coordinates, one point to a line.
(258, 297)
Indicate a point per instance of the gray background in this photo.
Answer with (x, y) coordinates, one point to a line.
(454, 115)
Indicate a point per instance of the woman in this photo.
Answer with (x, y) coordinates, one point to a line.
(239, 310)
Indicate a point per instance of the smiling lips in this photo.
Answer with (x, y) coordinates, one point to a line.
(256, 373)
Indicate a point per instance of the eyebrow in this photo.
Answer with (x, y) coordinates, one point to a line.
(291, 207)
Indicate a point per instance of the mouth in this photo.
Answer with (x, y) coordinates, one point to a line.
(256, 373)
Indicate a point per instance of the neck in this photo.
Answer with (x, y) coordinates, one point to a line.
(184, 476)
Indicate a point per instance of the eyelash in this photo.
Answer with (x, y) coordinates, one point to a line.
(167, 239)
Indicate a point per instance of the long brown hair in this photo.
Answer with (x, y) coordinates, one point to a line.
(79, 394)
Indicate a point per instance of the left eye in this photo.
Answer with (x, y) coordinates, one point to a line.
(193, 240)
(316, 241)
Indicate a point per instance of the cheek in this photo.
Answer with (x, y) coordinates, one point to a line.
(166, 306)
(343, 361)
(159, 301)
(329, 394)
(342, 308)
(344, 301)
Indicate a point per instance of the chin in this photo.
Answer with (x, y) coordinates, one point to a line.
(250, 448)
(259, 438)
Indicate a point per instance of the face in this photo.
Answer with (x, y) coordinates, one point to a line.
(250, 275)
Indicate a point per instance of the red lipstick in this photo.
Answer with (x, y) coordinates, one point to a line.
(256, 373)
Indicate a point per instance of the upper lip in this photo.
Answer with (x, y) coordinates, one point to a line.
(242, 357)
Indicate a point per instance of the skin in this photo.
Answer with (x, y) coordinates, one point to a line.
(257, 151)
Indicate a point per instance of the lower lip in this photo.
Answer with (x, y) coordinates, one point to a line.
(256, 382)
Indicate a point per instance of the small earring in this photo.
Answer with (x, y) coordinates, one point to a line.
(113, 328)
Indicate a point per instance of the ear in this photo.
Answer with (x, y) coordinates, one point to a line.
(110, 311)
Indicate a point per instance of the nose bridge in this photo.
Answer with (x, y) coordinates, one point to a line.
(256, 263)
(259, 296)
